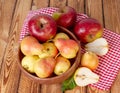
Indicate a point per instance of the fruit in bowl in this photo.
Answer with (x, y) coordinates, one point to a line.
(68, 48)
(44, 67)
(50, 50)
(42, 74)
(28, 62)
(31, 46)
(62, 65)
(42, 26)
(61, 35)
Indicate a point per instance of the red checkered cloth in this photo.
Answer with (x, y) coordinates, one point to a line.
(109, 64)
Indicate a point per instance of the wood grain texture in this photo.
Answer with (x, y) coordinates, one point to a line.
(58, 3)
(51, 88)
(77, 90)
(116, 85)
(10, 71)
(18, 20)
(94, 9)
(40, 4)
(94, 90)
(112, 14)
(26, 85)
(77, 4)
(6, 13)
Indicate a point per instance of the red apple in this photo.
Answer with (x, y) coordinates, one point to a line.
(43, 27)
(65, 16)
(88, 30)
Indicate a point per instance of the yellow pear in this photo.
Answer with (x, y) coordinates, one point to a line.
(90, 60)
(28, 63)
(31, 46)
(62, 65)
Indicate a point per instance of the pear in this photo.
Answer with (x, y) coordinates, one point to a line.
(90, 60)
(49, 51)
(61, 35)
(28, 63)
(31, 46)
(84, 76)
(68, 48)
(44, 67)
(62, 65)
(98, 46)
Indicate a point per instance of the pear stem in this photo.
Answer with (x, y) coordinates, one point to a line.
(50, 40)
(57, 55)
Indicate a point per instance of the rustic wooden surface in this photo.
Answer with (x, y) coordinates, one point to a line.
(12, 15)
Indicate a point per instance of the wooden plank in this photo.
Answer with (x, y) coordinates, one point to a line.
(112, 14)
(58, 3)
(94, 90)
(94, 9)
(51, 88)
(77, 90)
(28, 86)
(37, 4)
(116, 85)
(6, 12)
(10, 71)
(21, 11)
(78, 5)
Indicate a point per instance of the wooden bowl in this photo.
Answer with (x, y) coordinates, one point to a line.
(54, 79)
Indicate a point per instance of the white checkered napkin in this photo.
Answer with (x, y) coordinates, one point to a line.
(109, 64)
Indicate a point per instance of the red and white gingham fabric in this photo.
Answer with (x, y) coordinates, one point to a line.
(109, 64)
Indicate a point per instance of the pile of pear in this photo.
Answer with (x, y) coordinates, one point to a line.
(85, 74)
(49, 58)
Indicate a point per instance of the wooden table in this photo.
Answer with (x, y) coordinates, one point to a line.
(12, 15)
